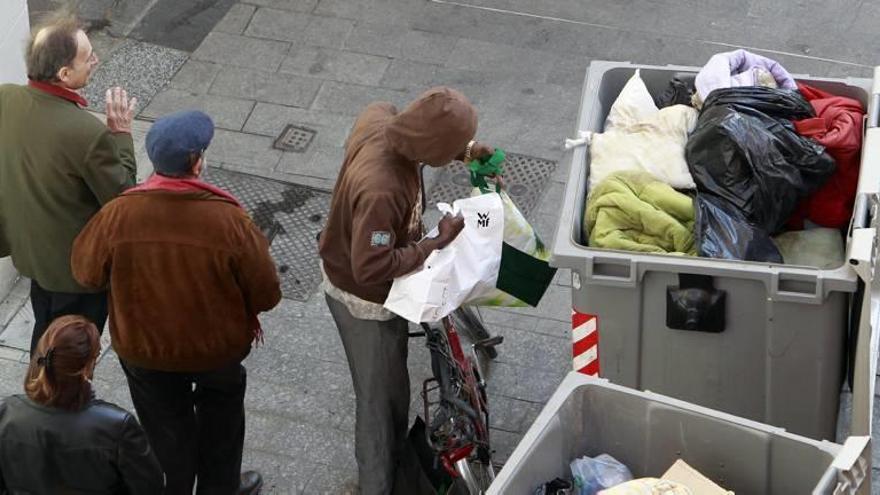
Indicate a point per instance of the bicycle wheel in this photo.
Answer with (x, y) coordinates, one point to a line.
(476, 476)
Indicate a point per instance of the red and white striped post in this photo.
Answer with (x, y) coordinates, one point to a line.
(585, 343)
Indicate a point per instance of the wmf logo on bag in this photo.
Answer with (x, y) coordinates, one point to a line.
(483, 219)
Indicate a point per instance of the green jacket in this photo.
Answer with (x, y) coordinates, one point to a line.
(632, 211)
(58, 165)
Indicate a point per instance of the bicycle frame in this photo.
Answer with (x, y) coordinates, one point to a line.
(463, 424)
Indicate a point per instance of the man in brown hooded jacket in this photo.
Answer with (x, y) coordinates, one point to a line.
(373, 235)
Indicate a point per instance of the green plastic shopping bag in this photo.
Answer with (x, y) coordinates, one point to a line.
(524, 274)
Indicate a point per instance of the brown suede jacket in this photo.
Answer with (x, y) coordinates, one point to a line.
(188, 273)
(375, 215)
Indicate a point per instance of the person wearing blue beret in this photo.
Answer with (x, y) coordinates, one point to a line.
(188, 272)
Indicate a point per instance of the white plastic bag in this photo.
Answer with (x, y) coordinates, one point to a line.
(591, 475)
(639, 136)
(451, 276)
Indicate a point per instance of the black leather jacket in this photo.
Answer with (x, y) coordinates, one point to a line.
(99, 450)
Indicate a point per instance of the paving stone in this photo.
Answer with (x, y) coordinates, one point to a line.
(227, 113)
(522, 382)
(331, 480)
(237, 19)
(553, 199)
(512, 415)
(277, 25)
(573, 74)
(245, 152)
(407, 74)
(321, 162)
(298, 440)
(156, 65)
(474, 54)
(180, 25)
(304, 29)
(329, 32)
(266, 87)
(121, 16)
(555, 305)
(335, 65)
(652, 48)
(503, 444)
(875, 436)
(326, 405)
(269, 120)
(12, 374)
(17, 333)
(242, 51)
(304, 329)
(385, 11)
(477, 85)
(282, 475)
(554, 328)
(479, 25)
(545, 224)
(14, 355)
(391, 41)
(291, 366)
(115, 394)
(536, 350)
(195, 76)
(292, 5)
(495, 316)
(350, 99)
(18, 296)
(109, 370)
(139, 130)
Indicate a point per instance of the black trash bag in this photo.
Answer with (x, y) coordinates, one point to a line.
(419, 472)
(723, 232)
(558, 486)
(745, 149)
(679, 92)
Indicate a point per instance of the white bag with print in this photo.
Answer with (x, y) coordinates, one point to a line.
(451, 276)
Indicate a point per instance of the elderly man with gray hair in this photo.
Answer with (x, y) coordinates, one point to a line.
(58, 166)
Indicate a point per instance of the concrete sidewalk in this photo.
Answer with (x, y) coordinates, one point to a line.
(315, 63)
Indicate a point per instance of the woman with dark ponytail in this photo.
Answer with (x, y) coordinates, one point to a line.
(57, 438)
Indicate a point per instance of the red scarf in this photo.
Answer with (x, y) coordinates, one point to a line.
(174, 184)
(158, 182)
(58, 91)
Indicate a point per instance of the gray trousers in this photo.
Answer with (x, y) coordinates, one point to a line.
(377, 352)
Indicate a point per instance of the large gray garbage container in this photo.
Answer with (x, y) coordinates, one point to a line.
(780, 358)
(649, 432)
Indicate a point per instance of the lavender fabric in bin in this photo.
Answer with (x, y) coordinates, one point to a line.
(740, 68)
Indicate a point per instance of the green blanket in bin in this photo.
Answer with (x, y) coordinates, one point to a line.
(632, 211)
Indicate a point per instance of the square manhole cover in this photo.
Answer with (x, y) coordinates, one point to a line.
(295, 138)
(525, 178)
(291, 216)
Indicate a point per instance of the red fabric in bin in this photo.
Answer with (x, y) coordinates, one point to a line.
(838, 127)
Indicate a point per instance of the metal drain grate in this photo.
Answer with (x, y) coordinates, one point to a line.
(295, 138)
(525, 178)
(291, 216)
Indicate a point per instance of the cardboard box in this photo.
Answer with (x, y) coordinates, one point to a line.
(681, 472)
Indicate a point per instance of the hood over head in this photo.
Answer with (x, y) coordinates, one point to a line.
(435, 128)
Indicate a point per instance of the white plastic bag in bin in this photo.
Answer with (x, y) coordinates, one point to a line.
(451, 276)
(594, 474)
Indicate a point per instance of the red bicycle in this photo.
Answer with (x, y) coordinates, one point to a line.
(456, 408)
